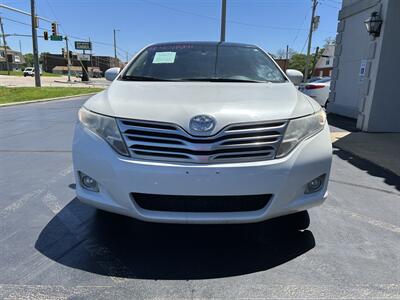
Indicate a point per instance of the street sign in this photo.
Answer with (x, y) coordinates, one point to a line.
(56, 37)
(83, 45)
(83, 57)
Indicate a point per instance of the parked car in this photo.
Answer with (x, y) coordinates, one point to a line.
(318, 90)
(30, 72)
(202, 132)
(312, 79)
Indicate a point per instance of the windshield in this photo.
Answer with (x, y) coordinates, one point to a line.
(203, 62)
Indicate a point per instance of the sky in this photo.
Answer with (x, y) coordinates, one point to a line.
(270, 24)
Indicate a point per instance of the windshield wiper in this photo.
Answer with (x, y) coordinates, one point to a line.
(223, 80)
(142, 78)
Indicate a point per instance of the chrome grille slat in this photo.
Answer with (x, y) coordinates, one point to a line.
(253, 130)
(169, 142)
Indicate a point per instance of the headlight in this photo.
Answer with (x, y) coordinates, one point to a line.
(104, 127)
(300, 129)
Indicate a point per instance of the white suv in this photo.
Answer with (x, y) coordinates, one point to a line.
(30, 72)
(202, 132)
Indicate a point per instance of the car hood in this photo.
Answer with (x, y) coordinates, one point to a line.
(178, 102)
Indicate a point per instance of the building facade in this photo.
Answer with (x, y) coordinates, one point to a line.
(50, 61)
(15, 59)
(364, 79)
(324, 65)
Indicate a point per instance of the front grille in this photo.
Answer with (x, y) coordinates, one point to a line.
(201, 204)
(169, 142)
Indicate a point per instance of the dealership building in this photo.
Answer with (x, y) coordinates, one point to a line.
(365, 78)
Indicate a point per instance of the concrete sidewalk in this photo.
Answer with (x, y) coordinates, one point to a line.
(20, 81)
(382, 149)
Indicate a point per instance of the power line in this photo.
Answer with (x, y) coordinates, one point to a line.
(22, 23)
(218, 19)
(298, 32)
(322, 2)
(74, 37)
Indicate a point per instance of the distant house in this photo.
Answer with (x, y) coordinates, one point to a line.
(324, 64)
(15, 59)
(283, 63)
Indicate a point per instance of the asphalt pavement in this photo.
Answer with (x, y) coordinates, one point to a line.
(54, 247)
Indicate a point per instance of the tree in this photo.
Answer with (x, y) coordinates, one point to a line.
(281, 53)
(329, 41)
(298, 62)
(28, 59)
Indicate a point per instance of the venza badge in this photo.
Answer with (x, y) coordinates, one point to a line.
(202, 124)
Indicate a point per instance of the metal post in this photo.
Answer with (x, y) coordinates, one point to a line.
(35, 45)
(315, 61)
(223, 21)
(115, 46)
(287, 57)
(314, 7)
(5, 46)
(91, 55)
(68, 59)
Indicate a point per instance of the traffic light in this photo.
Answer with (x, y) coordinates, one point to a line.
(46, 35)
(54, 28)
(63, 52)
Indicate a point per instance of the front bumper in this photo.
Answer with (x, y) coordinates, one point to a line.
(119, 176)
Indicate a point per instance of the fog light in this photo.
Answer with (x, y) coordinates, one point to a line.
(88, 182)
(315, 185)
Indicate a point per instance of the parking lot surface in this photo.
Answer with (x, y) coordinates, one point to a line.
(54, 247)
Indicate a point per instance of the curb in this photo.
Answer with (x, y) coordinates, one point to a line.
(47, 99)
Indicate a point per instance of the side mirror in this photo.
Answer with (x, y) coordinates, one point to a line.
(295, 76)
(112, 73)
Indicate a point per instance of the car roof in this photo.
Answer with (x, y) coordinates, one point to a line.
(205, 43)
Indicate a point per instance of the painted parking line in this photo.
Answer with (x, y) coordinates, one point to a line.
(361, 218)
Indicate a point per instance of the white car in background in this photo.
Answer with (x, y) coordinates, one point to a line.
(202, 132)
(318, 90)
(30, 72)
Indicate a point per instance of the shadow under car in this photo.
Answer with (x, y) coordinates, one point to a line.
(81, 237)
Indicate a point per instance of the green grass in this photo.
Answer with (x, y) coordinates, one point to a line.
(20, 73)
(20, 94)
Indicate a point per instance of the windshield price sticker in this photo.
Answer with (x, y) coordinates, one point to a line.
(164, 58)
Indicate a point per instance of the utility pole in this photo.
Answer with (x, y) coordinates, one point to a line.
(68, 59)
(115, 45)
(91, 55)
(223, 21)
(20, 48)
(314, 8)
(315, 59)
(287, 57)
(5, 46)
(35, 44)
